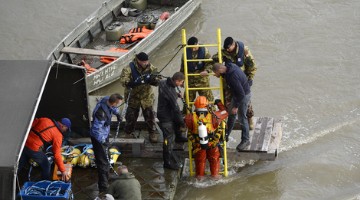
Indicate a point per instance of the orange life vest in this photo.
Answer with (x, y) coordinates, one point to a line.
(135, 36)
(108, 59)
(88, 68)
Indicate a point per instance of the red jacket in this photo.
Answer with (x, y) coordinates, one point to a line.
(52, 135)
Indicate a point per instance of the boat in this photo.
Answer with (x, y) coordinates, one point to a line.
(89, 41)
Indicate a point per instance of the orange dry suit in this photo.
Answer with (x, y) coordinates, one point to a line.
(211, 152)
(135, 34)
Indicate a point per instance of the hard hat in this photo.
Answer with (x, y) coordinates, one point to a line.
(73, 157)
(201, 102)
(87, 159)
(83, 161)
(114, 154)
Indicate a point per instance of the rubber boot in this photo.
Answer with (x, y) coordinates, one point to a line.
(251, 123)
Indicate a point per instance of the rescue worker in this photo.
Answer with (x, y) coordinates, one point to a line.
(170, 117)
(45, 132)
(200, 67)
(99, 134)
(239, 54)
(239, 87)
(126, 186)
(137, 78)
(205, 141)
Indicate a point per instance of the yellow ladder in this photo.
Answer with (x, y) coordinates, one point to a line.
(220, 88)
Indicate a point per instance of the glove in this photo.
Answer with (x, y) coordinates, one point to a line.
(135, 83)
(147, 78)
(250, 82)
(212, 144)
(118, 117)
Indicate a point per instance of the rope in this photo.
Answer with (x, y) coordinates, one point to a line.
(38, 189)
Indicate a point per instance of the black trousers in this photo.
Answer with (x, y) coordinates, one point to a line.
(169, 156)
(102, 164)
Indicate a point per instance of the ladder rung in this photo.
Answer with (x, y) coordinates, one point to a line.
(199, 74)
(202, 45)
(207, 88)
(196, 60)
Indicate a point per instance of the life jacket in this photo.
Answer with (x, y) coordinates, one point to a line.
(194, 66)
(192, 123)
(240, 55)
(108, 59)
(136, 36)
(140, 30)
(105, 108)
(135, 74)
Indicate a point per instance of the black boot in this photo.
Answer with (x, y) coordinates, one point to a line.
(172, 166)
(180, 139)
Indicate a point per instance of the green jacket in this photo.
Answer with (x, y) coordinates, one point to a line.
(143, 94)
(125, 187)
(248, 70)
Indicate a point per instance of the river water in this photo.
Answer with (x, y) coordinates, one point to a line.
(308, 55)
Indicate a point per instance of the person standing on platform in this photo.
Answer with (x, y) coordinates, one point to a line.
(236, 52)
(239, 87)
(137, 78)
(99, 134)
(170, 118)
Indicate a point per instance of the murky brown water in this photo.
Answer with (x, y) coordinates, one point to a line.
(308, 53)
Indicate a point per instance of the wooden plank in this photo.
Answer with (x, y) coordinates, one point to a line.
(260, 139)
(267, 135)
(255, 136)
(92, 52)
(117, 140)
(276, 136)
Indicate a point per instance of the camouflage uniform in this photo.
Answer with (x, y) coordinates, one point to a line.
(140, 96)
(249, 68)
(199, 81)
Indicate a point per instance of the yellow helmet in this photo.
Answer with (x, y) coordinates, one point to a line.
(87, 159)
(114, 154)
(73, 157)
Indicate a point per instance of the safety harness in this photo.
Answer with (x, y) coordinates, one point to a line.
(38, 133)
